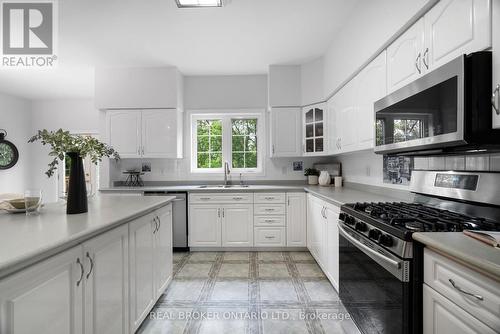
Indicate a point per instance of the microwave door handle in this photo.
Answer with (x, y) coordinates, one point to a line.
(368, 250)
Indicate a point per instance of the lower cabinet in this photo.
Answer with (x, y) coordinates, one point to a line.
(296, 229)
(237, 225)
(48, 294)
(94, 287)
(106, 282)
(150, 239)
(270, 237)
(204, 225)
(323, 237)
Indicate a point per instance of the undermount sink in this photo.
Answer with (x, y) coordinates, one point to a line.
(223, 186)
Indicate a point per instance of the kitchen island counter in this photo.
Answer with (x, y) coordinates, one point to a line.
(25, 240)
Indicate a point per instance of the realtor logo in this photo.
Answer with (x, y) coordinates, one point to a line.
(28, 33)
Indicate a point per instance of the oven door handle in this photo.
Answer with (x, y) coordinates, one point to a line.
(367, 249)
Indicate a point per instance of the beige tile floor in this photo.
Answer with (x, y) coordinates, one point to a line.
(248, 293)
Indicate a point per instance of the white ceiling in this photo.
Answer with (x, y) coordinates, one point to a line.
(243, 37)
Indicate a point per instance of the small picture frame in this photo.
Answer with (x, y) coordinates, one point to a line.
(146, 167)
(298, 166)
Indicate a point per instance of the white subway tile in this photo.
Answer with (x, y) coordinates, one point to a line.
(477, 162)
(436, 163)
(454, 163)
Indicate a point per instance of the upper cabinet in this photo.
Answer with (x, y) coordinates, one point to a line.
(404, 57)
(496, 64)
(145, 133)
(350, 110)
(138, 88)
(315, 129)
(451, 28)
(284, 86)
(286, 132)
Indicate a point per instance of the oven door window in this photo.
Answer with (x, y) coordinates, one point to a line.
(430, 113)
(376, 300)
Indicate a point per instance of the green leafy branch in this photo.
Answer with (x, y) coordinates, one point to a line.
(62, 142)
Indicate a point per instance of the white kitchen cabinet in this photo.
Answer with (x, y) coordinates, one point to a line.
(145, 133)
(237, 225)
(270, 237)
(454, 28)
(315, 130)
(286, 132)
(163, 250)
(124, 132)
(441, 316)
(370, 86)
(142, 269)
(404, 57)
(296, 227)
(46, 298)
(342, 118)
(449, 29)
(496, 62)
(138, 88)
(106, 283)
(316, 229)
(284, 86)
(162, 134)
(332, 244)
(205, 225)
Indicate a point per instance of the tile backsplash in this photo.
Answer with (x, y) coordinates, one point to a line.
(483, 162)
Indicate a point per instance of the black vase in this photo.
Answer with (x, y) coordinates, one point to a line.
(77, 190)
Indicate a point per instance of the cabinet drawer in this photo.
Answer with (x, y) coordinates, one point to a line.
(268, 198)
(440, 272)
(199, 198)
(269, 236)
(269, 221)
(269, 209)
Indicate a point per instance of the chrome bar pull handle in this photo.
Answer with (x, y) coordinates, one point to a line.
(81, 272)
(495, 99)
(426, 56)
(417, 63)
(91, 264)
(465, 292)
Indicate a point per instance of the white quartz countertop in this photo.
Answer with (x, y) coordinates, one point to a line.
(337, 196)
(467, 250)
(25, 240)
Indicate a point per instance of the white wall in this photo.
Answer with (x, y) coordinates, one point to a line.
(15, 118)
(74, 115)
(372, 24)
(223, 92)
(312, 80)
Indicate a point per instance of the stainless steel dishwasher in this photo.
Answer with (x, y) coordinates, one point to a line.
(179, 221)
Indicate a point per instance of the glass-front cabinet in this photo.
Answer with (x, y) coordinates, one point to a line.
(315, 137)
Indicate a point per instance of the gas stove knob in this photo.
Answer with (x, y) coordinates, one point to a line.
(374, 234)
(350, 220)
(360, 226)
(385, 240)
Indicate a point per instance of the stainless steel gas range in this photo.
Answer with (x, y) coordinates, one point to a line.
(381, 267)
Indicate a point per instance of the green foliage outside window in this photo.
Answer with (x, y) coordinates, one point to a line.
(209, 139)
(244, 143)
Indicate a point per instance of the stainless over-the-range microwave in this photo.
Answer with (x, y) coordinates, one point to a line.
(446, 111)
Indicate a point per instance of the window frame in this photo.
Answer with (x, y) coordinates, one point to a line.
(227, 143)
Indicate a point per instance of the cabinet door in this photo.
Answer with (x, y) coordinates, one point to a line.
(296, 230)
(332, 245)
(237, 225)
(404, 57)
(441, 316)
(124, 132)
(315, 225)
(142, 291)
(370, 87)
(286, 132)
(106, 283)
(44, 298)
(204, 225)
(496, 60)
(315, 130)
(161, 133)
(454, 28)
(347, 120)
(163, 250)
